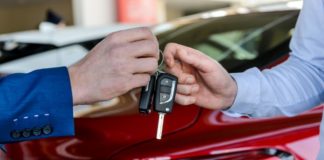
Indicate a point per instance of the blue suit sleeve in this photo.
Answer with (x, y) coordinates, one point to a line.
(36, 105)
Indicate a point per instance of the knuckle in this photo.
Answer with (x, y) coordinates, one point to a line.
(156, 65)
(156, 48)
(185, 90)
(117, 51)
(152, 47)
(179, 89)
(171, 45)
(155, 43)
(113, 36)
(152, 44)
(182, 79)
(145, 31)
(153, 62)
(153, 65)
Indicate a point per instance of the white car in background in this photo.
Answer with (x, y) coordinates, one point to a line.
(30, 50)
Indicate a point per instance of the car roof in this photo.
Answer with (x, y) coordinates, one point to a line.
(64, 36)
(223, 12)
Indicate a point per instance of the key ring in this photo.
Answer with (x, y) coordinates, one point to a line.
(161, 62)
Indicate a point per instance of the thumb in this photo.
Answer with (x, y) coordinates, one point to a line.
(186, 55)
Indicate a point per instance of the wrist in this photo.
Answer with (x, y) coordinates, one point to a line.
(231, 95)
(76, 87)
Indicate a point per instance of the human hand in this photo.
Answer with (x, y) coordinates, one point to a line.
(123, 61)
(202, 80)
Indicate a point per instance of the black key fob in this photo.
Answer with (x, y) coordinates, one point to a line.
(146, 96)
(165, 90)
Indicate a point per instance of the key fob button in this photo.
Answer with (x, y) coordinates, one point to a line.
(164, 97)
(166, 82)
(165, 89)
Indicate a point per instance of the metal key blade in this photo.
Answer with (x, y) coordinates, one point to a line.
(160, 126)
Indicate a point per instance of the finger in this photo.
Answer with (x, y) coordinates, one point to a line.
(175, 69)
(185, 100)
(143, 48)
(138, 49)
(187, 89)
(186, 55)
(183, 77)
(169, 54)
(138, 80)
(144, 65)
(131, 35)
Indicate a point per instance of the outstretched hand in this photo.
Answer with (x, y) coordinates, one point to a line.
(202, 80)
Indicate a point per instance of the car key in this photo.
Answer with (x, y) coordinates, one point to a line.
(165, 90)
(146, 96)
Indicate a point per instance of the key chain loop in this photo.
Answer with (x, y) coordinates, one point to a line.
(160, 65)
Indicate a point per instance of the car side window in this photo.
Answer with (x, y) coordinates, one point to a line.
(239, 43)
(236, 40)
(247, 43)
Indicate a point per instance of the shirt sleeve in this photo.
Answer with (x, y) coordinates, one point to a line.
(294, 86)
(36, 105)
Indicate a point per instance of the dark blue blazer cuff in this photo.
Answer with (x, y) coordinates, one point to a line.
(36, 105)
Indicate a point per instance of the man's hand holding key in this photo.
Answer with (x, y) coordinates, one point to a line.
(202, 80)
(124, 60)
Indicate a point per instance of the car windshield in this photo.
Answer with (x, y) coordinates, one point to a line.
(238, 38)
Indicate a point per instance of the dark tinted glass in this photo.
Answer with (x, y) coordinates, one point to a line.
(239, 39)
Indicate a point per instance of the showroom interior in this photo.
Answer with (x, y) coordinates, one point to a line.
(161, 79)
(101, 12)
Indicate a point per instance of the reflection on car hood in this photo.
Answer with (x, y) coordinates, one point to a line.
(65, 36)
(65, 56)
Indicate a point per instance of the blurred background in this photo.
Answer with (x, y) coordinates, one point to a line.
(19, 15)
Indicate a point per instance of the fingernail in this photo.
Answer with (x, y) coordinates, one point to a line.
(190, 80)
(193, 100)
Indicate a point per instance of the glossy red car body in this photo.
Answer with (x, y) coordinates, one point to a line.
(190, 133)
